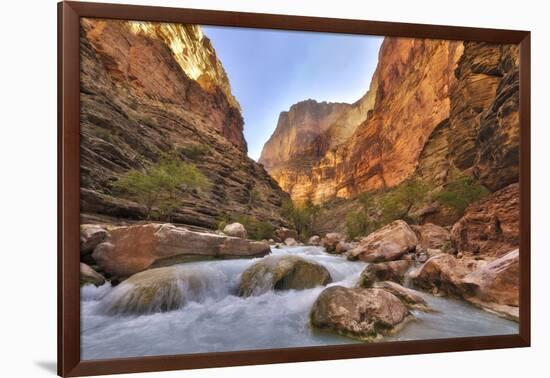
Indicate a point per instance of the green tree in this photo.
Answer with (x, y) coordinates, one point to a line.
(302, 216)
(398, 202)
(160, 186)
(460, 192)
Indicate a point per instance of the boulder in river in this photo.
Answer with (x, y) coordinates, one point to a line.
(282, 273)
(88, 276)
(291, 242)
(235, 229)
(91, 235)
(135, 248)
(284, 233)
(357, 312)
(154, 290)
(389, 243)
(331, 240)
(385, 271)
(409, 297)
(314, 240)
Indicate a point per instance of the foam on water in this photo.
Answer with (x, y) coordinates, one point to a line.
(216, 319)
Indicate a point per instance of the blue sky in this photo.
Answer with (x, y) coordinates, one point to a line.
(269, 70)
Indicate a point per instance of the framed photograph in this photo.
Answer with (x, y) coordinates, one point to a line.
(239, 188)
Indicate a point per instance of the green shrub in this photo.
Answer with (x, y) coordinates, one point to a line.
(301, 216)
(195, 150)
(359, 223)
(256, 229)
(159, 187)
(461, 192)
(398, 202)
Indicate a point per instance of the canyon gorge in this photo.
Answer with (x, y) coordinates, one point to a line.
(401, 205)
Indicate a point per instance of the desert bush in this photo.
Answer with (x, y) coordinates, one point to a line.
(398, 202)
(301, 216)
(461, 192)
(159, 187)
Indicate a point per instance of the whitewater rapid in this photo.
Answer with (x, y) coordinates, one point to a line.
(216, 319)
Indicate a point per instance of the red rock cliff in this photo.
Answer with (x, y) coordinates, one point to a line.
(149, 88)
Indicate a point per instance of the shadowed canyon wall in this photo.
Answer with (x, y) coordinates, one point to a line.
(147, 89)
(436, 106)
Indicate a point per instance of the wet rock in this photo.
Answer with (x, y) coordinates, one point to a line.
(235, 229)
(91, 236)
(291, 242)
(135, 248)
(409, 297)
(331, 240)
(391, 242)
(342, 247)
(282, 273)
(314, 240)
(357, 312)
(490, 228)
(385, 271)
(154, 290)
(88, 276)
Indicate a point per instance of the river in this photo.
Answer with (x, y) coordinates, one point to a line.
(216, 319)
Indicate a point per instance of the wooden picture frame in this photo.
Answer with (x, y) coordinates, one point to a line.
(69, 361)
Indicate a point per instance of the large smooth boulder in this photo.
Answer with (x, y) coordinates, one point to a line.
(135, 248)
(409, 297)
(432, 236)
(155, 290)
(331, 240)
(389, 243)
(385, 271)
(442, 274)
(282, 273)
(490, 228)
(235, 229)
(497, 281)
(88, 276)
(91, 235)
(357, 312)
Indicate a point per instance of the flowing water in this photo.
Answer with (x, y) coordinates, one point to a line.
(216, 319)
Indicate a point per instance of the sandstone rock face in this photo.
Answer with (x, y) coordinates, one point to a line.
(484, 121)
(389, 243)
(356, 312)
(235, 229)
(331, 240)
(133, 114)
(282, 273)
(409, 297)
(135, 248)
(385, 271)
(490, 227)
(90, 236)
(411, 88)
(432, 236)
(88, 276)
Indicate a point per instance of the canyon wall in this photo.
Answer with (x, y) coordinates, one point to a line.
(148, 89)
(437, 107)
